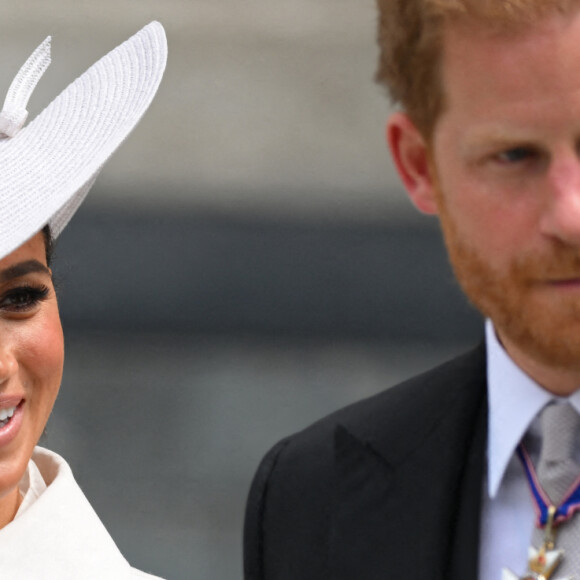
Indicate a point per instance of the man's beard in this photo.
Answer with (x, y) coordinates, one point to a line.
(541, 322)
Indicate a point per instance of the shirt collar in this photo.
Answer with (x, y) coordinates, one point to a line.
(514, 399)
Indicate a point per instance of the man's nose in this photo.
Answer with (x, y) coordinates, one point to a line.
(561, 211)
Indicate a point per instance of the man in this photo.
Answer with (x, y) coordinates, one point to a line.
(427, 480)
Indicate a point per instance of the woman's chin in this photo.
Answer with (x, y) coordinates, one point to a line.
(12, 470)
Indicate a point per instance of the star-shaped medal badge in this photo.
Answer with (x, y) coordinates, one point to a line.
(542, 565)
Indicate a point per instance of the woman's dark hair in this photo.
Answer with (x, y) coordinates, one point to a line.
(48, 244)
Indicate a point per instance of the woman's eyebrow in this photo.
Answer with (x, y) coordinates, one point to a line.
(23, 268)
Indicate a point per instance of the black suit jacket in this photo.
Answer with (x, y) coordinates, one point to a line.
(388, 488)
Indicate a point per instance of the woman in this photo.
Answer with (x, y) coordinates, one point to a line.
(47, 527)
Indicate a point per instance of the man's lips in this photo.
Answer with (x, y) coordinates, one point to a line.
(565, 283)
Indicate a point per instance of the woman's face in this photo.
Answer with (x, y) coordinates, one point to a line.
(31, 357)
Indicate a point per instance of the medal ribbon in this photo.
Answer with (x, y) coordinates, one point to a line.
(569, 505)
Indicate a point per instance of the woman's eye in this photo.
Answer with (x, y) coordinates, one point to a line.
(23, 298)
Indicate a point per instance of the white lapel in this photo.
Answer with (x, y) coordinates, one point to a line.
(60, 536)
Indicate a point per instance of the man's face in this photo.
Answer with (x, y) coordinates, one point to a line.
(505, 178)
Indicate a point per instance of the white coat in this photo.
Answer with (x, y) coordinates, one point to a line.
(59, 536)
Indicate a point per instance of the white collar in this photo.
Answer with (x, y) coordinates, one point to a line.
(31, 487)
(59, 536)
(514, 400)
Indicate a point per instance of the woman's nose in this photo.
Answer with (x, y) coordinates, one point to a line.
(8, 362)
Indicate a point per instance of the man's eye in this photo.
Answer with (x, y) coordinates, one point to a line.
(515, 155)
(23, 298)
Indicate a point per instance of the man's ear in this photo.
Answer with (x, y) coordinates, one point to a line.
(410, 155)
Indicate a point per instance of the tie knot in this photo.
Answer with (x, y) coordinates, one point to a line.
(560, 422)
(557, 469)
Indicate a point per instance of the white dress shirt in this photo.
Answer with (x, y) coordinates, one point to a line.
(514, 401)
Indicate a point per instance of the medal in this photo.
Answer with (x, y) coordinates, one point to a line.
(543, 562)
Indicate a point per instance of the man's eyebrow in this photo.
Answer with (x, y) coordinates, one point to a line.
(22, 269)
(496, 136)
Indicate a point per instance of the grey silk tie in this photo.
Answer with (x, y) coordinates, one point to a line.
(556, 472)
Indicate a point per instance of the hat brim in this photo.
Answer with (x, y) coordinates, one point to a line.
(50, 165)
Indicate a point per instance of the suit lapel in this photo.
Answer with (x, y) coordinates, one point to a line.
(409, 508)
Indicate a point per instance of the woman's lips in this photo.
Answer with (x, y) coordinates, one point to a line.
(10, 426)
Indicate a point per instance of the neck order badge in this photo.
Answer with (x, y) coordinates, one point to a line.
(544, 561)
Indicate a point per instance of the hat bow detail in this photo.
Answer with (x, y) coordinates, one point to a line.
(14, 113)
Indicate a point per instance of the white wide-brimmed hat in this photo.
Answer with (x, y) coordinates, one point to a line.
(49, 165)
